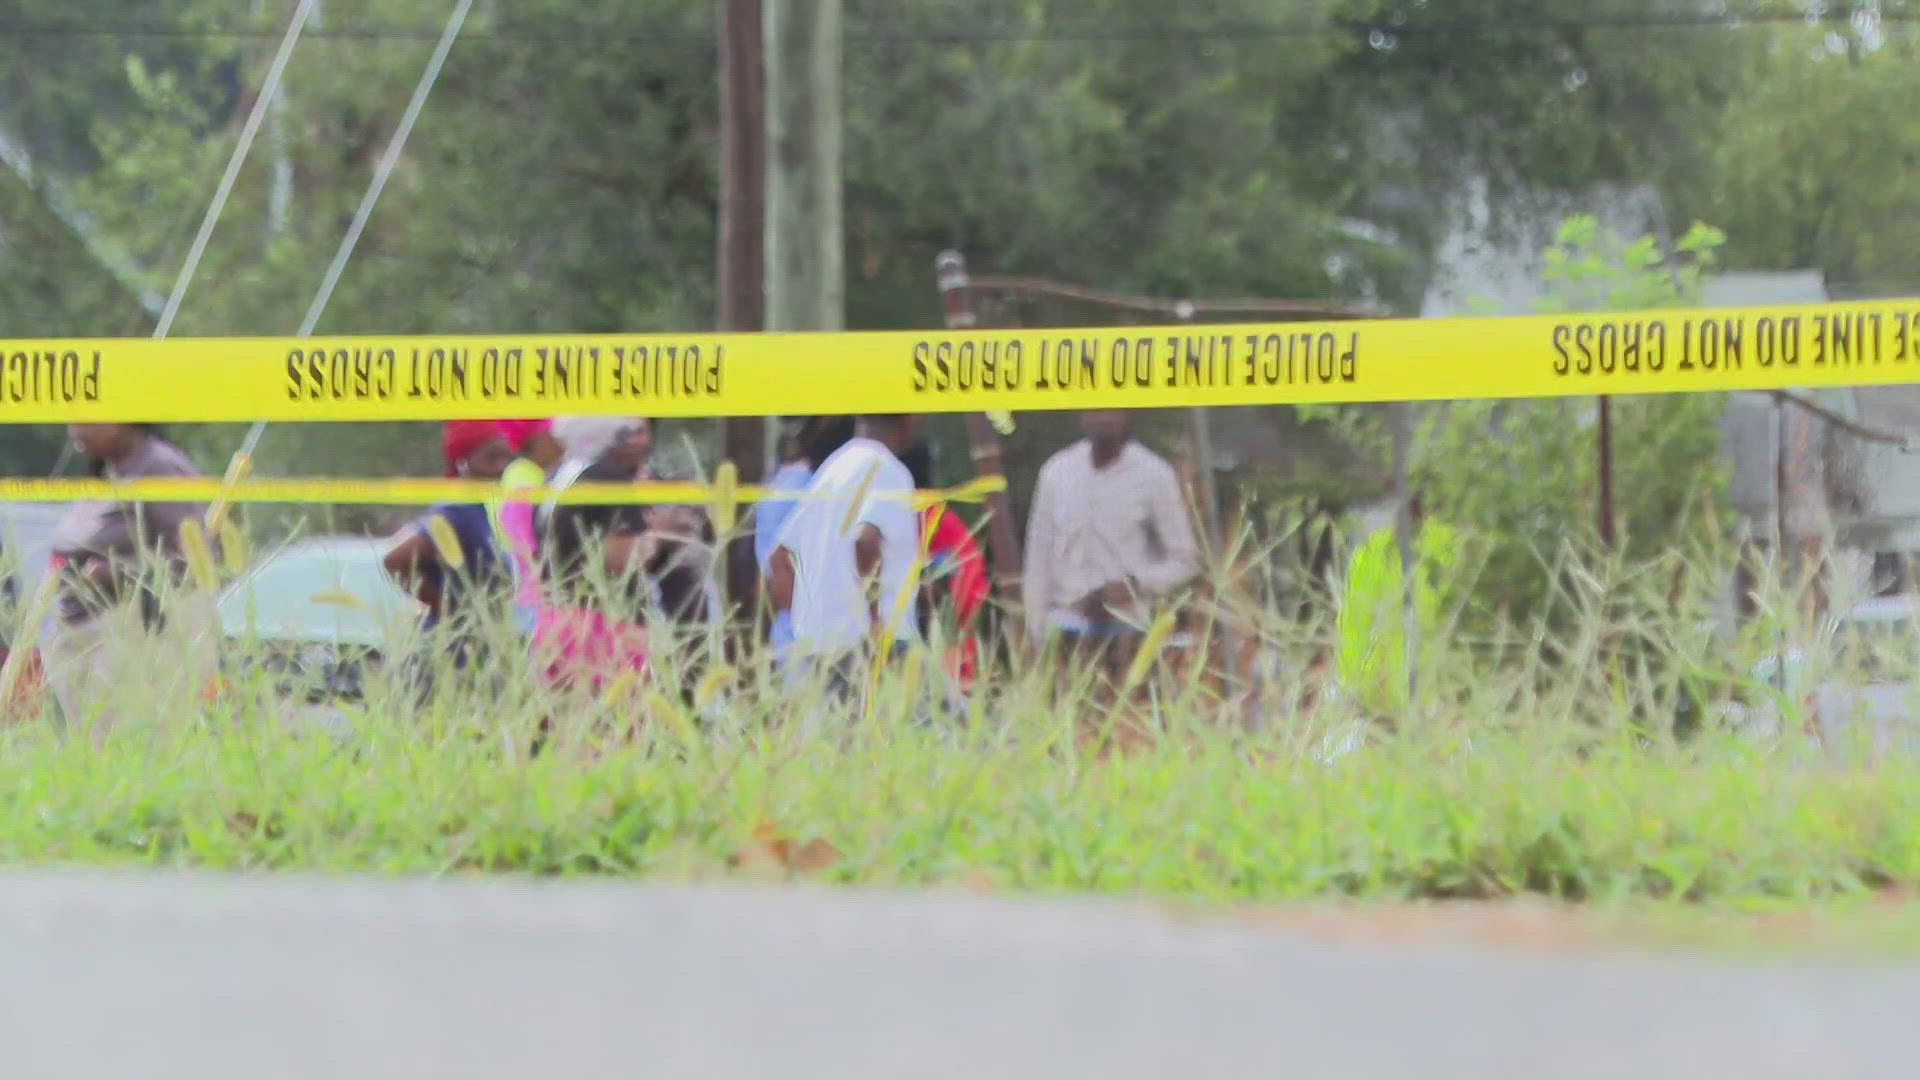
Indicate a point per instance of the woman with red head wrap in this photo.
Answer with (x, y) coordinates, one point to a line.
(473, 450)
(534, 441)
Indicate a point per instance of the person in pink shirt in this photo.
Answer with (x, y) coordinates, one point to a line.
(513, 518)
(590, 555)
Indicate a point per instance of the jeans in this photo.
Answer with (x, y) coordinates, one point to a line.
(1105, 648)
(845, 673)
(781, 637)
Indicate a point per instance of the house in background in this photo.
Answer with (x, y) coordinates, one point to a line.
(1755, 424)
(1489, 259)
(1790, 472)
(1795, 475)
(1836, 492)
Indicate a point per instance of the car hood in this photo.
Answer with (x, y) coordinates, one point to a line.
(328, 590)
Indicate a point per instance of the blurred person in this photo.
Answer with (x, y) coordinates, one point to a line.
(802, 451)
(682, 571)
(954, 557)
(846, 564)
(684, 610)
(454, 597)
(1109, 535)
(674, 569)
(129, 635)
(793, 474)
(513, 518)
(590, 625)
(618, 447)
(537, 452)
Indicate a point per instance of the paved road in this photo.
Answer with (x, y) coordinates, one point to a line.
(158, 977)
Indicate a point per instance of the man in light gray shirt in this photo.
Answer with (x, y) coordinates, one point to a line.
(1108, 536)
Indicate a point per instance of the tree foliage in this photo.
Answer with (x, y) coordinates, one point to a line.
(564, 173)
(1811, 167)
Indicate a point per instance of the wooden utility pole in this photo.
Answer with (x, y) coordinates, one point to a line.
(742, 262)
(805, 286)
(743, 175)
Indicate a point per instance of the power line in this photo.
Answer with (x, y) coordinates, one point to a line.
(455, 22)
(288, 39)
(1051, 31)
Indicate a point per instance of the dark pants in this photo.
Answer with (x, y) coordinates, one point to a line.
(848, 679)
(846, 674)
(1099, 655)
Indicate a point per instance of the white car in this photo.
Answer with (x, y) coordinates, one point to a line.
(315, 617)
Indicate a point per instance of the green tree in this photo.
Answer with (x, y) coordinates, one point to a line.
(1812, 167)
(563, 174)
(557, 180)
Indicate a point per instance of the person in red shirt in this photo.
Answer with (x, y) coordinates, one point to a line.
(952, 555)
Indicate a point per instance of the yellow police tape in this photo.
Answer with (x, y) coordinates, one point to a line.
(422, 492)
(449, 377)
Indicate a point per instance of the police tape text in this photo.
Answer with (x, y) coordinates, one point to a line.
(1151, 361)
(555, 374)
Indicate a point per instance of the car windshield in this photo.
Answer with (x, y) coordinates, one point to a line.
(332, 591)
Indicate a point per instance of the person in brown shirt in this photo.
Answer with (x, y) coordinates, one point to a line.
(128, 634)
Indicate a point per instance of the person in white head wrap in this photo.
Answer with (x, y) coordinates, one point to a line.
(658, 560)
(613, 449)
(623, 440)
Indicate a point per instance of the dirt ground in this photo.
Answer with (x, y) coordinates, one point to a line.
(1882, 925)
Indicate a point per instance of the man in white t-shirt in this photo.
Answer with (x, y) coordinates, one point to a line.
(847, 562)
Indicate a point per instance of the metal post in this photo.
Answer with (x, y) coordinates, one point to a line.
(1202, 426)
(1003, 543)
(1403, 531)
(1225, 645)
(1605, 451)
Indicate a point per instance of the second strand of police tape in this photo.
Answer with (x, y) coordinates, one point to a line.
(428, 492)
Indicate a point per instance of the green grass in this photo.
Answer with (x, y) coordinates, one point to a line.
(1022, 807)
(1517, 777)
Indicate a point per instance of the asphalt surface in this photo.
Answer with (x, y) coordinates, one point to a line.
(106, 976)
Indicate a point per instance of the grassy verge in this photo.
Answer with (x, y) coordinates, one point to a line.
(1023, 806)
(1544, 763)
